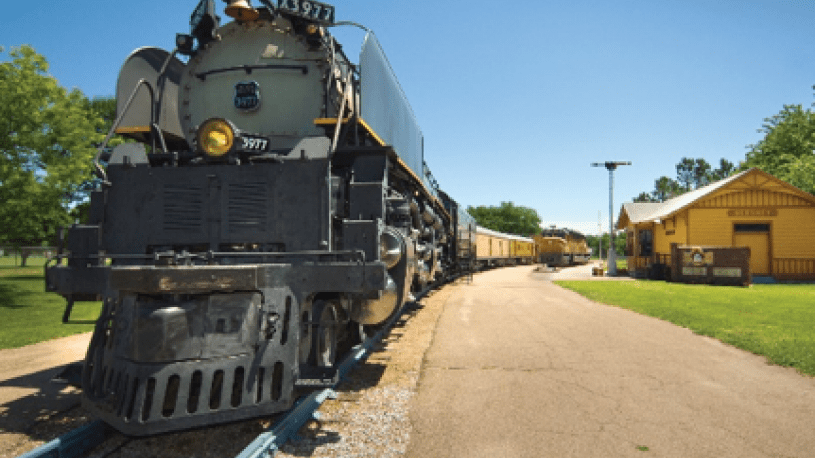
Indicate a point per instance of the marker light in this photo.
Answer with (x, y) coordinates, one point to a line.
(216, 137)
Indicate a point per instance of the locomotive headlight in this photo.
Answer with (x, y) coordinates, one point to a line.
(216, 137)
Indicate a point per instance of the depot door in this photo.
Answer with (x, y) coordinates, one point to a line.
(757, 238)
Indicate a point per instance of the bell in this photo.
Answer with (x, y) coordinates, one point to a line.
(241, 10)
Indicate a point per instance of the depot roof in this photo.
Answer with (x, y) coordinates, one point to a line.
(640, 212)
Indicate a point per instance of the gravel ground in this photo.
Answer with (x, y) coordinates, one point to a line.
(370, 417)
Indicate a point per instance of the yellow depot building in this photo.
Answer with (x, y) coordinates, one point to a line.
(750, 209)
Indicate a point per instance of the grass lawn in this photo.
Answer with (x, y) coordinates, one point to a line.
(777, 321)
(28, 314)
(621, 262)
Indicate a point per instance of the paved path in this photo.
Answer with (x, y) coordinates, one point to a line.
(574, 273)
(520, 367)
(26, 393)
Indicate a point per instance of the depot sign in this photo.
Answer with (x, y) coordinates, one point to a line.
(753, 212)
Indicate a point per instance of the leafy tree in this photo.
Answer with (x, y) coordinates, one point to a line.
(690, 174)
(619, 244)
(799, 172)
(702, 172)
(726, 168)
(645, 197)
(693, 173)
(684, 173)
(507, 218)
(787, 150)
(46, 148)
(665, 188)
(105, 108)
(591, 241)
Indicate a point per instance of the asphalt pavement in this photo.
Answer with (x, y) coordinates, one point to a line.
(520, 367)
(583, 272)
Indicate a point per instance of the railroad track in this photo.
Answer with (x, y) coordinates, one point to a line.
(80, 441)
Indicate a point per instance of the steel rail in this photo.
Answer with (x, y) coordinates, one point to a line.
(73, 444)
(267, 443)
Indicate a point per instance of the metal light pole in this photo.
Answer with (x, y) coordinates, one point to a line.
(600, 236)
(612, 255)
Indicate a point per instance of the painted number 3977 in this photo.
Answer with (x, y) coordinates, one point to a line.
(309, 9)
(254, 144)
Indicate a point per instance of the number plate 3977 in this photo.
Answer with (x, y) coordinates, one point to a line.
(309, 9)
(254, 144)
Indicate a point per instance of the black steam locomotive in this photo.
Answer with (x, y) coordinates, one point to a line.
(275, 204)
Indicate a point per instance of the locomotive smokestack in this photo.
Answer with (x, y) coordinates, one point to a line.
(241, 10)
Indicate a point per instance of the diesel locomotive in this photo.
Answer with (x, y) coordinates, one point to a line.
(274, 204)
(561, 247)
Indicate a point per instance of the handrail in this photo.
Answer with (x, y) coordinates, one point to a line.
(341, 114)
(100, 172)
(161, 79)
(249, 68)
(154, 113)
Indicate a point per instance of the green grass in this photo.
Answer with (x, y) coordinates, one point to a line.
(620, 261)
(777, 321)
(28, 314)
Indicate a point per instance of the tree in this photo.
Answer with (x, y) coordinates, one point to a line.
(701, 173)
(726, 168)
(619, 244)
(591, 241)
(684, 173)
(46, 148)
(666, 188)
(507, 218)
(787, 150)
(645, 197)
(690, 174)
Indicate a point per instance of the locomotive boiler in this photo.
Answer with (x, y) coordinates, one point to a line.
(274, 204)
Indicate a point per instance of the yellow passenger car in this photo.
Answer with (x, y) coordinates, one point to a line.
(495, 248)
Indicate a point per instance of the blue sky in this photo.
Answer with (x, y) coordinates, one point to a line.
(516, 99)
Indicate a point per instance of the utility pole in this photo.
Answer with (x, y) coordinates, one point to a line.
(611, 166)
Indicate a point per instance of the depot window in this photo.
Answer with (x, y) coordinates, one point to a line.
(751, 227)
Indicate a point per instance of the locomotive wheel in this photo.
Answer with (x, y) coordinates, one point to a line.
(324, 339)
(362, 332)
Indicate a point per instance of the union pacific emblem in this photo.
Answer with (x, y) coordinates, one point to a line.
(247, 95)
